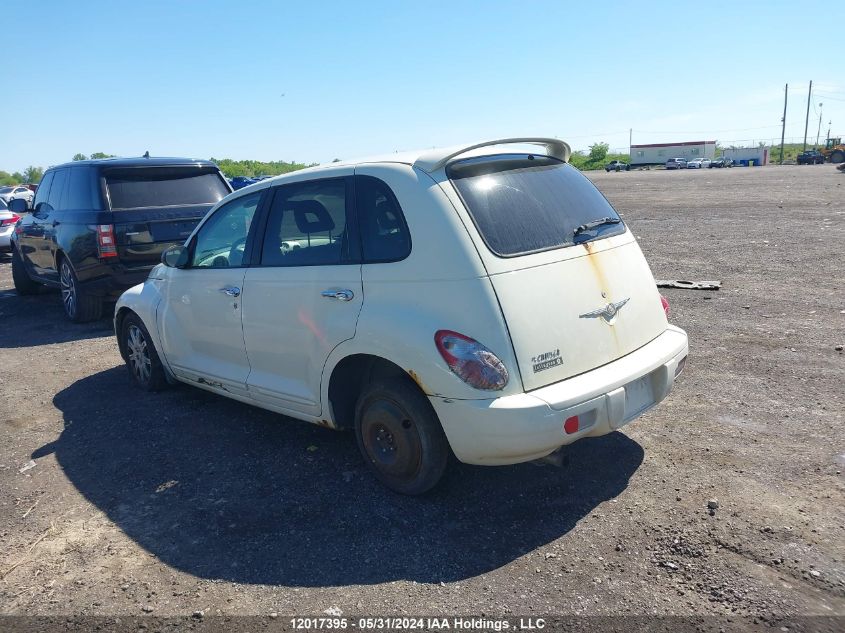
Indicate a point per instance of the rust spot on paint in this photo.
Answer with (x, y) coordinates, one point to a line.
(417, 380)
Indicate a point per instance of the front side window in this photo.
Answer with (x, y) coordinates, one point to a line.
(57, 189)
(43, 190)
(524, 203)
(307, 226)
(221, 241)
(384, 234)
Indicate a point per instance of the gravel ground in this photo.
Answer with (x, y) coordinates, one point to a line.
(183, 501)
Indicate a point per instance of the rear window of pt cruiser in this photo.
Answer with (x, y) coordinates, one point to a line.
(524, 204)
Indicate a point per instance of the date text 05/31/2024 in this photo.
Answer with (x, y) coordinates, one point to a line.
(418, 624)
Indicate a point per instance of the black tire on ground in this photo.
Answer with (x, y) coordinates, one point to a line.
(400, 436)
(142, 359)
(79, 305)
(23, 282)
(837, 157)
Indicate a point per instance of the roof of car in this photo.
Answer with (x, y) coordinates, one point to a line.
(139, 161)
(435, 158)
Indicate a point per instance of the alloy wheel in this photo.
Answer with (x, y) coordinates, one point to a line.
(139, 354)
(68, 285)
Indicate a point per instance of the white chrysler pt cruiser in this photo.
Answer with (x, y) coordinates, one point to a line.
(485, 300)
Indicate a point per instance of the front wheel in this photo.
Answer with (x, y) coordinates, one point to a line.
(141, 356)
(837, 157)
(23, 282)
(400, 436)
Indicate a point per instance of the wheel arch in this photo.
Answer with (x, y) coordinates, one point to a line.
(348, 377)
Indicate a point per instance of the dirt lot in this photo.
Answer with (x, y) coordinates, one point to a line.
(183, 501)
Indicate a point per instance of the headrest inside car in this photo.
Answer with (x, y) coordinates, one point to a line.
(312, 217)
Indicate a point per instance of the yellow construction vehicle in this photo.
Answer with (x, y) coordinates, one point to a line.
(834, 150)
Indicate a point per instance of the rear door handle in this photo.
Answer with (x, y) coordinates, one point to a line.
(232, 291)
(340, 295)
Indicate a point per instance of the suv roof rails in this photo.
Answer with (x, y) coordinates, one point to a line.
(435, 159)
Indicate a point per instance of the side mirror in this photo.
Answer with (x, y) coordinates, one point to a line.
(175, 256)
(18, 205)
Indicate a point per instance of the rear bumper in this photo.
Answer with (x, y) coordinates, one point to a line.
(6, 238)
(527, 426)
(114, 284)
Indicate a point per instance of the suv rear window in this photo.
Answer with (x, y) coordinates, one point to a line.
(139, 187)
(524, 204)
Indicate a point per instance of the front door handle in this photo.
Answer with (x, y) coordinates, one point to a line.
(340, 295)
(232, 291)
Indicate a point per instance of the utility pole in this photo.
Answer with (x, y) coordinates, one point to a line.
(783, 121)
(819, 130)
(807, 120)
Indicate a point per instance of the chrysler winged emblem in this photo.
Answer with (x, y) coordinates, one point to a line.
(608, 312)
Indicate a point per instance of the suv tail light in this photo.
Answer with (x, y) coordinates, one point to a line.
(665, 303)
(470, 361)
(10, 221)
(106, 246)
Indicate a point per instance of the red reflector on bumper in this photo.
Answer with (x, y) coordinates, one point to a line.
(571, 425)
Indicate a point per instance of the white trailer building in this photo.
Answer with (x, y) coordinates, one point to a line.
(659, 153)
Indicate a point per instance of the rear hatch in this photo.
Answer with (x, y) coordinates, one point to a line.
(573, 285)
(157, 206)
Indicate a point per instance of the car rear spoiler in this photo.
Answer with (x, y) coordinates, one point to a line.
(435, 159)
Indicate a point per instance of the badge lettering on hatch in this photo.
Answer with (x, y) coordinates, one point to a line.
(546, 360)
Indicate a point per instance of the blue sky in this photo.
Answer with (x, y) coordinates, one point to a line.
(311, 81)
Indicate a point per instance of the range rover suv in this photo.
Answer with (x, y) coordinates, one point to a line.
(97, 227)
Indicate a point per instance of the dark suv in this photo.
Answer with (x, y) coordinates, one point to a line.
(97, 227)
(810, 157)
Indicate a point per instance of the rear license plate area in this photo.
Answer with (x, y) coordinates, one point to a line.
(639, 396)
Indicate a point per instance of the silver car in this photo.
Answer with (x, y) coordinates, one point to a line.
(676, 163)
(7, 226)
(7, 194)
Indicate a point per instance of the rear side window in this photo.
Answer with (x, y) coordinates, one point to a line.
(308, 225)
(384, 234)
(524, 204)
(57, 189)
(140, 187)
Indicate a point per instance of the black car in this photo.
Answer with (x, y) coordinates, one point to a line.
(617, 165)
(810, 157)
(722, 162)
(98, 226)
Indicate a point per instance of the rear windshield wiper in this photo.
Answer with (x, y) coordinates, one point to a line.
(595, 224)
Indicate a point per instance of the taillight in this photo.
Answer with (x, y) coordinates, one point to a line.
(470, 361)
(665, 303)
(106, 246)
(10, 221)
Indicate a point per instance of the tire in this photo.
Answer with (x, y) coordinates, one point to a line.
(400, 436)
(79, 306)
(140, 354)
(23, 282)
(837, 157)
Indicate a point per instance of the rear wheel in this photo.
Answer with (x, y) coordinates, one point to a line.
(400, 436)
(141, 356)
(837, 157)
(79, 306)
(23, 282)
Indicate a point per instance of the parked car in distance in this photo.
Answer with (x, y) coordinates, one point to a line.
(17, 192)
(810, 157)
(617, 165)
(399, 297)
(676, 163)
(239, 182)
(99, 226)
(7, 226)
(698, 163)
(721, 162)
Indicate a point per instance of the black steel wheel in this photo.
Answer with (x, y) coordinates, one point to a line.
(400, 436)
